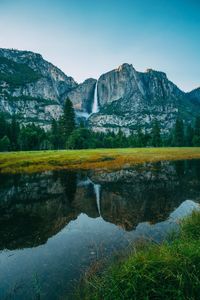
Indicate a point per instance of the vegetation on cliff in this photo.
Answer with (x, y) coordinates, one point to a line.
(18, 74)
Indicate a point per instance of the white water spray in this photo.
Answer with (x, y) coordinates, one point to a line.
(97, 189)
(95, 107)
(82, 114)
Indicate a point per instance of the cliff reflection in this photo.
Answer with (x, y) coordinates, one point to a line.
(35, 207)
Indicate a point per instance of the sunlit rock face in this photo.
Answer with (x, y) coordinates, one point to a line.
(118, 84)
(129, 99)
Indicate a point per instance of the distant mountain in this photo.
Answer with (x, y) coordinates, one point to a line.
(194, 96)
(35, 90)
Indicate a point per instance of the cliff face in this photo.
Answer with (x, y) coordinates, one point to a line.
(82, 96)
(49, 82)
(129, 99)
(31, 87)
(35, 90)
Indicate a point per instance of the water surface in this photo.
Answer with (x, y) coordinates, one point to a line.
(54, 225)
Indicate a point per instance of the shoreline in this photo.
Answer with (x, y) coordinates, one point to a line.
(170, 270)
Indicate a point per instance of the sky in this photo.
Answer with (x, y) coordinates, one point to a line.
(86, 38)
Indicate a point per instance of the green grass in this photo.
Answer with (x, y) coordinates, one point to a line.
(36, 161)
(167, 271)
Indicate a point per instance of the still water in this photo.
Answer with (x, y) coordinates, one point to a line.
(54, 225)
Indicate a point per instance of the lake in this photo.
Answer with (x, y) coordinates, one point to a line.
(55, 225)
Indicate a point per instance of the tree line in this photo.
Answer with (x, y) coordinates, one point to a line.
(65, 134)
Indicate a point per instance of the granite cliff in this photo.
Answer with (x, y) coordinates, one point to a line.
(128, 99)
(35, 90)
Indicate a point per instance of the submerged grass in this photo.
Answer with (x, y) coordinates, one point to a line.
(167, 271)
(37, 161)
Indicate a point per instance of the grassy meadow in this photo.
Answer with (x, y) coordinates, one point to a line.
(37, 161)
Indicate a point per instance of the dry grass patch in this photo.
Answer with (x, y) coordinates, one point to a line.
(37, 161)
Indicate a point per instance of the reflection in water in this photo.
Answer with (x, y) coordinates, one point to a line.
(35, 208)
(97, 189)
(56, 223)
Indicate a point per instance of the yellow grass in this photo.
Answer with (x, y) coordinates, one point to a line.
(36, 161)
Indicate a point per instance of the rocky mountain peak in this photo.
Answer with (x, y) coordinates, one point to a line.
(124, 67)
(19, 54)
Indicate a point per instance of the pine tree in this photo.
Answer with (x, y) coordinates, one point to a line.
(3, 126)
(54, 135)
(132, 140)
(118, 140)
(196, 137)
(197, 127)
(178, 139)
(140, 138)
(80, 138)
(32, 137)
(14, 133)
(156, 136)
(189, 135)
(67, 121)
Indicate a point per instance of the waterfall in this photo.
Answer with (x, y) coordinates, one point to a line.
(97, 189)
(95, 108)
(82, 114)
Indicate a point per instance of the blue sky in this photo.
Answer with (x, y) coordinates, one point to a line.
(86, 38)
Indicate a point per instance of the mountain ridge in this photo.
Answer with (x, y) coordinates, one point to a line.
(35, 90)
